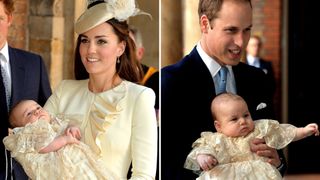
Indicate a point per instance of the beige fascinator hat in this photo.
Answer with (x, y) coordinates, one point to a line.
(103, 10)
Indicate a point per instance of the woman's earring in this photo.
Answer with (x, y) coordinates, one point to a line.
(118, 60)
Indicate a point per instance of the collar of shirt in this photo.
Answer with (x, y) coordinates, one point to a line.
(252, 60)
(214, 68)
(211, 64)
(5, 52)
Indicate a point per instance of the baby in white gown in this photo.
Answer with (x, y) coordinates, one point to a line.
(48, 149)
(229, 148)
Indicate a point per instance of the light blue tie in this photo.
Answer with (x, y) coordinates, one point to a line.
(223, 79)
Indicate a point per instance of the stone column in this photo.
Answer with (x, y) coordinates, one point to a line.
(149, 29)
(191, 27)
(171, 32)
(46, 35)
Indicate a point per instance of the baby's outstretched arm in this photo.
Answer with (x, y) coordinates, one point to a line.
(206, 161)
(58, 143)
(306, 131)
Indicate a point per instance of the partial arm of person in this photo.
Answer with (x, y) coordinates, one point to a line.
(53, 103)
(306, 131)
(277, 137)
(144, 137)
(59, 102)
(58, 143)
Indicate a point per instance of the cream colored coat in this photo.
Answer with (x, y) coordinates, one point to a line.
(118, 124)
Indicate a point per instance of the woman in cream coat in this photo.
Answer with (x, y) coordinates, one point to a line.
(116, 116)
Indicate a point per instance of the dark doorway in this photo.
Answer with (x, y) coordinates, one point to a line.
(304, 76)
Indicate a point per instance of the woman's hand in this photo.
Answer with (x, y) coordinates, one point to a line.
(74, 132)
(206, 162)
(259, 147)
(70, 139)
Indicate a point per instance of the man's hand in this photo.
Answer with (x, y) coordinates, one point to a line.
(206, 162)
(259, 147)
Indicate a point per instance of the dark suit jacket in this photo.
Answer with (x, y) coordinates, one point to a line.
(29, 81)
(187, 90)
(267, 68)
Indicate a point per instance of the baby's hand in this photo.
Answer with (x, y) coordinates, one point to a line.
(70, 139)
(73, 131)
(312, 129)
(206, 161)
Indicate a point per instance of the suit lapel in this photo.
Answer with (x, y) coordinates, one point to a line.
(200, 71)
(17, 75)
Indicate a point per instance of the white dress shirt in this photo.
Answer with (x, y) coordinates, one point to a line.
(214, 68)
(253, 61)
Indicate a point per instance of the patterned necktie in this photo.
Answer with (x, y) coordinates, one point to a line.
(223, 79)
(5, 80)
(3, 97)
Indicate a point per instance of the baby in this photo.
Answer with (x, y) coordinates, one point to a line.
(229, 147)
(48, 149)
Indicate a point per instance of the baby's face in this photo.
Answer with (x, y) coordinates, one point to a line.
(29, 111)
(234, 118)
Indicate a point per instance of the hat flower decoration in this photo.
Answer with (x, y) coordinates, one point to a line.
(100, 11)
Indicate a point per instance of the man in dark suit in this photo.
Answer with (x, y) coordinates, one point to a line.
(23, 76)
(188, 87)
(254, 59)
